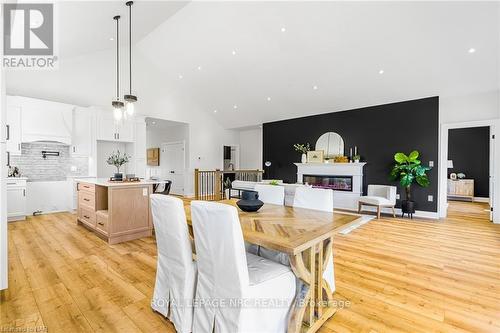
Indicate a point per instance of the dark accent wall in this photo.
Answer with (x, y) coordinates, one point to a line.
(378, 132)
(469, 149)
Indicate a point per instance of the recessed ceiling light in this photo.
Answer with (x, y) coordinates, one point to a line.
(315, 87)
(269, 98)
(111, 39)
(234, 52)
(472, 50)
(283, 29)
(381, 71)
(180, 76)
(199, 68)
(235, 106)
(153, 122)
(215, 111)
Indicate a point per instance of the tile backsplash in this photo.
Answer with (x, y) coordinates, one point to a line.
(31, 164)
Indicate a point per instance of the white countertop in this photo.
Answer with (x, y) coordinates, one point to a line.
(17, 178)
(107, 183)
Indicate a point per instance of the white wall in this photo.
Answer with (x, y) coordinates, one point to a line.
(104, 149)
(478, 106)
(251, 148)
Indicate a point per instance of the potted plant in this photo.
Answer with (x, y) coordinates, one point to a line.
(408, 170)
(303, 149)
(118, 159)
(356, 158)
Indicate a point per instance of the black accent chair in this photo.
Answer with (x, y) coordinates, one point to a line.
(163, 188)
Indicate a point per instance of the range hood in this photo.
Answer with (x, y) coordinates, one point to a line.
(61, 140)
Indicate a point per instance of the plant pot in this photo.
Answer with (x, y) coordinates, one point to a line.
(304, 158)
(356, 161)
(408, 207)
(118, 176)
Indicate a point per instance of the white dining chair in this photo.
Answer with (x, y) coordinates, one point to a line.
(271, 194)
(316, 199)
(176, 271)
(313, 198)
(234, 286)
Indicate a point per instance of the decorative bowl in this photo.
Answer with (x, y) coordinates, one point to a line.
(249, 201)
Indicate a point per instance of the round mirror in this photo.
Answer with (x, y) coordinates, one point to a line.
(331, 144)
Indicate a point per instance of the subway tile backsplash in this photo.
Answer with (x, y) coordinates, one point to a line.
(31, 164)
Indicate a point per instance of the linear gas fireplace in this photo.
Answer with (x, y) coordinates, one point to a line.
(337, 183)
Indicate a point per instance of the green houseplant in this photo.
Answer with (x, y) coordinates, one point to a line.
(118, 159)
(409, 170)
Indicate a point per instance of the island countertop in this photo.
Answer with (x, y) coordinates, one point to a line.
(106, 182)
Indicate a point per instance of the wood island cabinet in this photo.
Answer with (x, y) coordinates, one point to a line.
(118, 212)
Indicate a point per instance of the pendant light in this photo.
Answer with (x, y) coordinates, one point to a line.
(130, 99)
(117, 104)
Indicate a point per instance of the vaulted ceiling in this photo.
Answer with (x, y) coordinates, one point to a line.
(246, 63)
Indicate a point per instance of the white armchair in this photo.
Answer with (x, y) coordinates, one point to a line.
(379, 196)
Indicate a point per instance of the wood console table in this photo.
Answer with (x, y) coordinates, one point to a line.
(461, 188)
(307, 237)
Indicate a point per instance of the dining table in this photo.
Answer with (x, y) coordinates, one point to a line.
(306, 236)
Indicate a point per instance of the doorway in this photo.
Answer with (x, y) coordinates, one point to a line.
(467, 168)
(172, 159)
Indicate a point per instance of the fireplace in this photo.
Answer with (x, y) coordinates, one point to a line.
(337, 183)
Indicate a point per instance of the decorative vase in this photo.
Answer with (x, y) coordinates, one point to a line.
(249, 201)
(118, 176)
(356, 161)
(304, 158)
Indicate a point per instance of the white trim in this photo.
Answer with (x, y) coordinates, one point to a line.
(481, 199)
(494, 125)
(418, 213)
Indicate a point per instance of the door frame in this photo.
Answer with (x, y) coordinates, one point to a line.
(183, 142)
(494, 125)
(237, 152)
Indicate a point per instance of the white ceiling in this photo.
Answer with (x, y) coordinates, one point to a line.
(87, 26)
(340, 47)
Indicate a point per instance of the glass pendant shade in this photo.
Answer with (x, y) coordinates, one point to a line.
(118, 114)
(130, 108)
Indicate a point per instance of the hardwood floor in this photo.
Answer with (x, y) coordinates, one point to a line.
(399, 275)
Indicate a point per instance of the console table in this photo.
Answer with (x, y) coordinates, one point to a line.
(461, 189)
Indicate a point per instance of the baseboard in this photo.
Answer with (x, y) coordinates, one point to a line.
(481, 199)
(419, 213)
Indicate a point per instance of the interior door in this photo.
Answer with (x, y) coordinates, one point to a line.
(172, 165)
(14, 129)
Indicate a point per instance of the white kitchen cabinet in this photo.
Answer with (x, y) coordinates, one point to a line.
(82, 132)
(110, 130)
(125, 131)
(13, 129)
(43, 120)
(16, 199)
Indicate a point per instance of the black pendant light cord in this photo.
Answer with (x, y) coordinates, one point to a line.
(130, 46)
(117, 58)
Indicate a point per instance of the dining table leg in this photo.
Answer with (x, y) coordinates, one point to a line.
(313, 304)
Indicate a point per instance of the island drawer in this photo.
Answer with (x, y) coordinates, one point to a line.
(87, 199)
(87, 215)
(86, 187)
(102, 221)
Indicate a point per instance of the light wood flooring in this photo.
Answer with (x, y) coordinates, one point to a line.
(399, 275)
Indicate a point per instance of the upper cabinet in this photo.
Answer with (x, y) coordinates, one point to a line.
(13, 122)
(82, 132)
(43, 120)
(110, 130)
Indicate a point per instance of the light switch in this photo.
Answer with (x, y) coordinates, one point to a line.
(144, 191)
(398, 196)
(430, 198)
(431, 164)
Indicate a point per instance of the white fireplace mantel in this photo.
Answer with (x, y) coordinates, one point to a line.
(341, 199)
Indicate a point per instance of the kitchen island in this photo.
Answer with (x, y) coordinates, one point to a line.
(116, 211)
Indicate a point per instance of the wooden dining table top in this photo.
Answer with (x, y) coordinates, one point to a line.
(286, 229)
